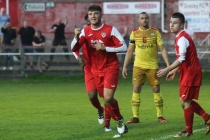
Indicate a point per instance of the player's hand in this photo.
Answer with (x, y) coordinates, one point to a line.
(162, 72)
(99, 46)
(77, 31)
(170, 76)
(124, 73)
(81, 61)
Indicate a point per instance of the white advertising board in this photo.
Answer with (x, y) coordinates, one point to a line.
(197, 13)
(34, 7)
(131, 7)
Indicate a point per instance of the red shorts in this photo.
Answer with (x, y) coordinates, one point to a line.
(89, 79)
(188, 93)
(108, 79)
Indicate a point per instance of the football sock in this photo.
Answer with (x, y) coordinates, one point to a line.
(188, 116)
(114, 109)
(199, 110)
(95, 102)
(158, 100)
(135, 103)
(107, 116)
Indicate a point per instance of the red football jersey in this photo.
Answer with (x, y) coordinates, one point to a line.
(190, 69)
(84, 55)
(109, 36)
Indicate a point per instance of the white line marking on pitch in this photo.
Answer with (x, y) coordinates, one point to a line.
(170, 136)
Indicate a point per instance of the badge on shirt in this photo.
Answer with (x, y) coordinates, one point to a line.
(103, 34)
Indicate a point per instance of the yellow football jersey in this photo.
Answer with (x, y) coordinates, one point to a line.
(146, 44)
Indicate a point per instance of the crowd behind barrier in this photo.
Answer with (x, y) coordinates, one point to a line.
(61, 66)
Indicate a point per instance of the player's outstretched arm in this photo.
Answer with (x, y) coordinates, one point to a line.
(173, 67)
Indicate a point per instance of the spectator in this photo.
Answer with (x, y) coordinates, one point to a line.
(3, 19)
(9, 36)
(27, 34)
(39, 43)
(59, 38)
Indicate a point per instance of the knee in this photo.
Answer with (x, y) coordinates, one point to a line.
(108, 100)
(92, 94)
(136, 89)
(182, 105)
(156, 89)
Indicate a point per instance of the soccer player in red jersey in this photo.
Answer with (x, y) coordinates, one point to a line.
(90, 85)
(190, 78)
(102, 43)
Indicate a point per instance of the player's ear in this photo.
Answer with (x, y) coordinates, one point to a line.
(182, 25)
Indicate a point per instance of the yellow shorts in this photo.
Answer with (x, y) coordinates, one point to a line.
(139, 75)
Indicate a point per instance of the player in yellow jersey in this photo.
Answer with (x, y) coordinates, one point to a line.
(145, 42)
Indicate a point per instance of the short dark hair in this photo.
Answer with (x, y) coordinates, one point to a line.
(87, 19)
(144, 13)
(39, 32)
(95, 8)
(180, 16)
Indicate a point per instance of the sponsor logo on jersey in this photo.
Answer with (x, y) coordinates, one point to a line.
(145, 46)
(94, 42)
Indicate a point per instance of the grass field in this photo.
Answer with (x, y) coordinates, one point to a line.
(57, 108)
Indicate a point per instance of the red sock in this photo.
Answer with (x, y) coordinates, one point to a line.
(114, 109)
(199, 110)
(95, 102)
(107, 116)
(188, 116)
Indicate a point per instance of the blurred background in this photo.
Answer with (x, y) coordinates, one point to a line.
(123, 14)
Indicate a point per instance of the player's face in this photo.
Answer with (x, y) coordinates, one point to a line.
(94, 17)
(176, 25)
(144, 20)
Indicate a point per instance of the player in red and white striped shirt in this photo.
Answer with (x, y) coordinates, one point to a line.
(90, 85)
(190, 75)
(102, 42)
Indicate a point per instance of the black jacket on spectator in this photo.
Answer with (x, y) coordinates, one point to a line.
(59, 32)
(26, 35)
(39, 40)
(9, 34)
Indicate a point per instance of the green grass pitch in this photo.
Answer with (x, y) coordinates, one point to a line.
(57, 108)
